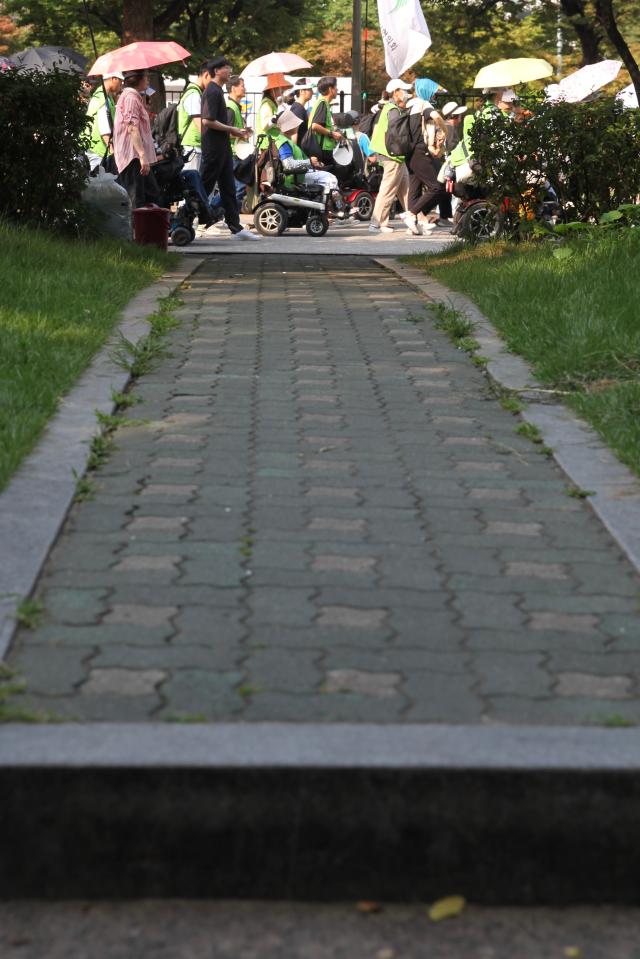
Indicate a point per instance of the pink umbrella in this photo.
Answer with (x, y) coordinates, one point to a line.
(139, 56)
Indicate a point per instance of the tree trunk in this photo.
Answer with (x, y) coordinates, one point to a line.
(587, 34)
(137, 20)
(607, 19)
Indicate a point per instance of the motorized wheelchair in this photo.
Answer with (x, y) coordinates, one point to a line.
(278, 206)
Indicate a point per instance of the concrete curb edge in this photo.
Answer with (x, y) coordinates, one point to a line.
(34, 505)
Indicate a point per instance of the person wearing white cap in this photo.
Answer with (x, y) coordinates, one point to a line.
(303, 92)
(395, 177)
(101, 113)
(294, 160)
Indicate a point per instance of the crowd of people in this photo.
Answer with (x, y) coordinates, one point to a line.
(417, 147)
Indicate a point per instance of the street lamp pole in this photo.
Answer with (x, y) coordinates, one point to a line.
(356, 57)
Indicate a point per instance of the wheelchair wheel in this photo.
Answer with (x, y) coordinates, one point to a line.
(363, 206)
(482, 221)
(271, 219)
(181, 236)
(317, 225)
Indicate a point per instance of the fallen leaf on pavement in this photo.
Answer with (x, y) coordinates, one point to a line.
(446, 908)
(367, 906)
(572, 952)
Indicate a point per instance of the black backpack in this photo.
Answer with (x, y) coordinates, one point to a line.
(398, 139)
(367, 123)
(165, 127)
(165, 130)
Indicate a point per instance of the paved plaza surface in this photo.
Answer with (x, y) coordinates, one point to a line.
(175, 929)
(350, 237)
(325, 515)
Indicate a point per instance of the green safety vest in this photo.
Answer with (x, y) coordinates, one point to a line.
(188, 132)
(378, 140)
(463, 151)
(266, 111)
(237, 120)
(98, 146)
(291, 179)
(326, 143)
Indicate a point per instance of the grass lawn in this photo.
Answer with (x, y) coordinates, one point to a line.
(575, 319)
(59, 300)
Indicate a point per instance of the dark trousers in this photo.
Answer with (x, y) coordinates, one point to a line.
(217, 167)
(141, 189)
(425, 193)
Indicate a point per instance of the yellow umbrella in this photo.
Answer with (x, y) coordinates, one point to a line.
(507, 73)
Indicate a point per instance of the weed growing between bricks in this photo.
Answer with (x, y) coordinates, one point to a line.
(137, 359)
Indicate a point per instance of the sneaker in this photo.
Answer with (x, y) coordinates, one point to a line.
(245, 235)
(387, 229)
(426, 227)
(374, 229)
(411, 224)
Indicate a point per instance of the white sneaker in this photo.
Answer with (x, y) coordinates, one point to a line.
(374, 229)
(412, 225)
(426, 227)
(387, 229)
(245, 235)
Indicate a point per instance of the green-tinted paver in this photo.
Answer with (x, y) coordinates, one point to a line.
(325, 515)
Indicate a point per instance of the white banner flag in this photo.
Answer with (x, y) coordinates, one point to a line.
(405, 34)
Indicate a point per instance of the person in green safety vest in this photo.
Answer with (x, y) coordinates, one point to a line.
(500, 98)
(101, 114)
(277, 83)
(321, 119)
(190, 119)
(299, 168)
(395, 176)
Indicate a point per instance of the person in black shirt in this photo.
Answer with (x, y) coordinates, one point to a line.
(303, 91)
(217, 158)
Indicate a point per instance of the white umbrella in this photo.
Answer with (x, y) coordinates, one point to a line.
(629, 97)
(585, 81)
(274, 63)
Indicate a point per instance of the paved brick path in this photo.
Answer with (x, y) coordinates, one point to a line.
(327, 516)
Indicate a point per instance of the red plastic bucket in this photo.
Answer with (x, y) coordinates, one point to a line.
(151, 226)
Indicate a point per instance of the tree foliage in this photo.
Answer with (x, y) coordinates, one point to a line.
(240, 28)
(43, 121)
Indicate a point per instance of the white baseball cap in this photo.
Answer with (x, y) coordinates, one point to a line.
(398, 85)
(303, 84)
(509, 95)
(115, 75)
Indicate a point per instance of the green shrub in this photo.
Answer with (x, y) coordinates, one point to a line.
(589, 153)
(43, 123)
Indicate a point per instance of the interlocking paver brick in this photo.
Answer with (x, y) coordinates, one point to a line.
(324, 515)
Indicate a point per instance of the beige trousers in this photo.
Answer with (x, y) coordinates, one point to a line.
(395, 183)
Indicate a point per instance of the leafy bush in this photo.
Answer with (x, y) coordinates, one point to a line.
(43, 123)
(589, 153)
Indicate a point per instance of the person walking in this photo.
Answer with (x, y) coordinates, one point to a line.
(101, 115)
(429, 133)
(133, 147)
(190, 118)
(235, 96)
(217, 158)
(303, 91)
(321, 120)
(277, 83)
(395, 176)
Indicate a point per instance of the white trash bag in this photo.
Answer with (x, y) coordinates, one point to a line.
(104, 194)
